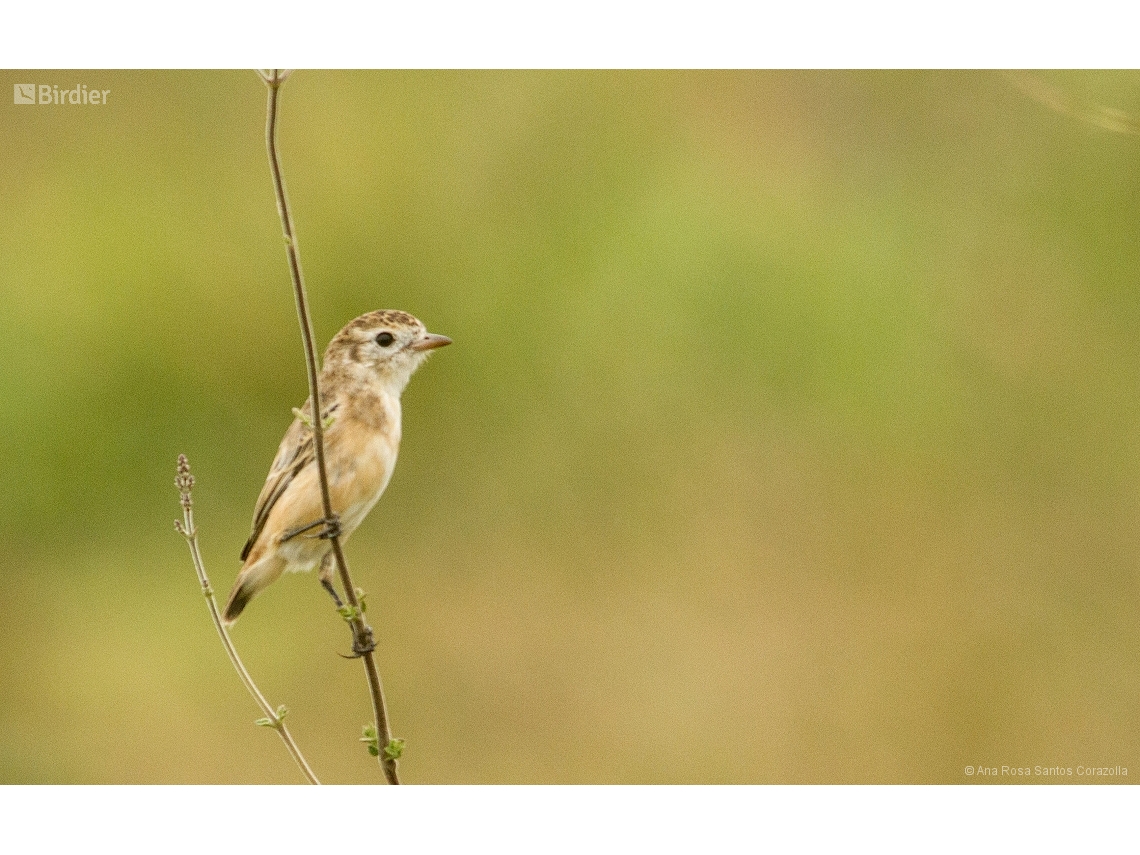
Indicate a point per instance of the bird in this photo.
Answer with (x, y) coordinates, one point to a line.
(366, 368)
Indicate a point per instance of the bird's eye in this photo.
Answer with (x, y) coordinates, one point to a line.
(385, 339)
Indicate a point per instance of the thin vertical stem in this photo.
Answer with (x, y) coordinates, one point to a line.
(361, 631)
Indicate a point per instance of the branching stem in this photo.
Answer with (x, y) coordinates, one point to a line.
(361, 631)
(273, 717)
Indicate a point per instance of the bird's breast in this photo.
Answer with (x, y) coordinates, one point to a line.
(360, 469)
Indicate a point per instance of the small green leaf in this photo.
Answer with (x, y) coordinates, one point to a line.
(371, 739)
(266, 722)
(282, 711)
(348, 612)
(394, 749)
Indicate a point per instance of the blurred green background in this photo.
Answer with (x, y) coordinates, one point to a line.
(791, 432)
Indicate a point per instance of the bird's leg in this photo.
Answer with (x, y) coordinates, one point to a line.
(301, 529)
(362, 638)
(331, 529)
(325, 576)
(328, 586)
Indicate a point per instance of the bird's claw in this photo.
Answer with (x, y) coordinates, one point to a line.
(330, 528)
(362, 643)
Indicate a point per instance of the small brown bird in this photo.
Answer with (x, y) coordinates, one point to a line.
(367, 366)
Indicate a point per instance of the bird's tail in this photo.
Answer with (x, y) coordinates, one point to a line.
(252, 579)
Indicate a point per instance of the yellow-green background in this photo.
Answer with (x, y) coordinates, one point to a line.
(791, 432)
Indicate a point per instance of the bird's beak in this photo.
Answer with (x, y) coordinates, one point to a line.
(430, 341)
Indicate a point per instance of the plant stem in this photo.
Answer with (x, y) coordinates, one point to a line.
(273, 718)
(361, 631)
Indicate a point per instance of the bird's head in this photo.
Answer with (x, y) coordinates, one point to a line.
(385, 346)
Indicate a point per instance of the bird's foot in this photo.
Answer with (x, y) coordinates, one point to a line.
(362, 642)
(331, 529)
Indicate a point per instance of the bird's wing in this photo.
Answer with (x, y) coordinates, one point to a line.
(296, 452)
